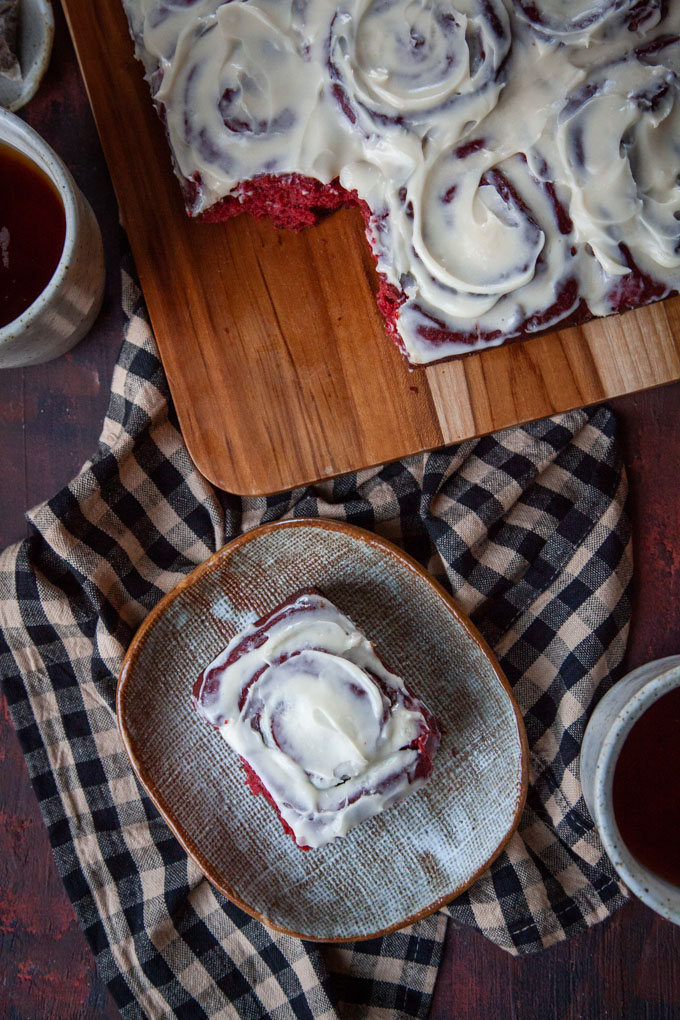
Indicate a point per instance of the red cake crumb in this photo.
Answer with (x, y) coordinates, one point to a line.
(291, 201)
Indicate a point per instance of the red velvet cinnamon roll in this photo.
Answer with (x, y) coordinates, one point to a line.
(618, 137)
(421, 66)
(489, 244)
(324, 730)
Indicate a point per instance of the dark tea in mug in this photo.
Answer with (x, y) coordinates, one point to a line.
(646, 794)
(32, 232)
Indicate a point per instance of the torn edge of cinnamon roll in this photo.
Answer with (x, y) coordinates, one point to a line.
(324, 730)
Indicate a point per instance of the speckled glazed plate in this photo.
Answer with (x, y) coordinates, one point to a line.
(393, 869)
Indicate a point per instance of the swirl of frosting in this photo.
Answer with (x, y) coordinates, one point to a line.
(619, 138)
(490, 249)
(573, 21)
(239, 95)
(332, 735)
(407, 61)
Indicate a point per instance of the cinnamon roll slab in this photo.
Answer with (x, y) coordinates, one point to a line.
(517, 162)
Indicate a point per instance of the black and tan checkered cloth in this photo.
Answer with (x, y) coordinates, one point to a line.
(526, 527)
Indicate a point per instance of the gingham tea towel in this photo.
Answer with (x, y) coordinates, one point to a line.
(527, 527)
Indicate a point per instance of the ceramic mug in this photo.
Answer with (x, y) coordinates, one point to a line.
(605, 735)
(35, 34)
(66, 309)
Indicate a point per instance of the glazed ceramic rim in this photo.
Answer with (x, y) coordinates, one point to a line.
(27, 141)
(368, 538)
(640, 879)
(36, 71)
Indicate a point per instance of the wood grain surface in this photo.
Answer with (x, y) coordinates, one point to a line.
(626, 968)
(276, 355)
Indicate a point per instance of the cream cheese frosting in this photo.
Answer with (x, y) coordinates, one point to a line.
(331, 733)
(521, 160)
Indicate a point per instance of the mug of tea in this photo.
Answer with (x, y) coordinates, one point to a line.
(630, 773)
(51, 253)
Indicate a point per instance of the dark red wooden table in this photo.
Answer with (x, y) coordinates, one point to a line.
(50, 415)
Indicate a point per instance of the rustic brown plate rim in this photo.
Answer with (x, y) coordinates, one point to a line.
(227, 552)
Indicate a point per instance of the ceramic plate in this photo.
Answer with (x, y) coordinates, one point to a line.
(390, 870)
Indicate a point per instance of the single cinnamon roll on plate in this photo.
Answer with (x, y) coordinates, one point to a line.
(399, 864)
(324, 730)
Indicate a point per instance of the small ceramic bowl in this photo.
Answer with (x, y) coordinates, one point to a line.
(390, 870)
(34, 48)
(66, 309)
(605, 735)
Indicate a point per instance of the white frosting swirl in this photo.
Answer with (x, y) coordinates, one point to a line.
(615, 137)
(499, 253)
(332, 734)
(473, 235)
(575, 21)
(226, 67)
(429, 65)
(520, 159)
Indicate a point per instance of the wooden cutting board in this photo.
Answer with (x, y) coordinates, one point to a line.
(276, 356)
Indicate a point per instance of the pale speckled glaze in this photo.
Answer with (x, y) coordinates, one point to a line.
(34, 49)
(65, 311)
(605, 735)
(393, 868)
